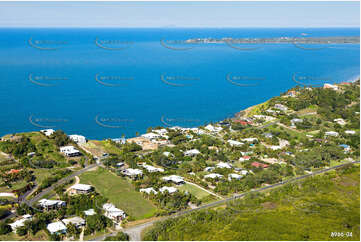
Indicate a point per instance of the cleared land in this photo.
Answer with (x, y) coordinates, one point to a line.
(119, 192)
(197, 192)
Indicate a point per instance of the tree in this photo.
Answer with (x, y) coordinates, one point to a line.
(121, 236)
(4, 228)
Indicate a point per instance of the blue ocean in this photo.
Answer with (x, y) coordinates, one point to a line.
(105, 83)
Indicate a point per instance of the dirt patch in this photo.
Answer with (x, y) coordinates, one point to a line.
(346, 182)
(269, 205)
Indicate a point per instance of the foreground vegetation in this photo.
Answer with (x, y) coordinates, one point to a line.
(311, 210)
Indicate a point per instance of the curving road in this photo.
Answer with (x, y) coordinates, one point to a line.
(135, 231)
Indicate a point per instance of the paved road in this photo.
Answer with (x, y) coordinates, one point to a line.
(135, 232)
(52, 187)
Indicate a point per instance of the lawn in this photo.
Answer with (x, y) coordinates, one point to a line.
(39, 236)
(197, 192)
(120, 192)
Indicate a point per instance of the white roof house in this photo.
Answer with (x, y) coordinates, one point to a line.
(160, 131)
(79, 139)
(192, 152)
(47, 132)
(56, 227)
(152, 169)
(110, 211)
(234, 143)
(296, 120)
(173, 178)
(133, 172)
(276, 147)
(280, 107)
(150, 136)
(243, 172)
(77, 221)
(250, 139)
(209, 168)
(169, 189)
(340, 121)
(331, 133)
(327, 85)
(90, 212)
(212, 128)
(82, 187)
(167, 153)
(213, 176)
(350, 132)
(69, 150)
(234, 176)
(45, 203)
(148, 190)
(224, 165)
(20, 223)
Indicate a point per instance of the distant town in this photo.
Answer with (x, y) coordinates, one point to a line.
(279, 40)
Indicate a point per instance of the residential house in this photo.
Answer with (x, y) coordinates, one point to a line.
(208, 169)
(350, 132)
(119, 140)
(174, 178)
(150, 136)
(213, 176)
(79, 139)
(234, 176)
(235, 143)
(192, 152)
(80, 189)
(280, 107)
(170, 190)
(133, 173)
(20, 222)
(213, 129)
(113, 213)
(224, 165)
(148, 190)
(250, 140)
(152, 169)
(56, 228)
(330, 86)
(331, 133)
(47, 132)
(51, 204)
(90, 212)
(70, 151)
(77, 221)
(340, 121)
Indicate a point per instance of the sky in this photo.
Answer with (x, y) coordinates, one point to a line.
(180, 14)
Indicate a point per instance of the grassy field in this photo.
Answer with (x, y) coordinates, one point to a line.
(119, 192)
(197, 192)
(309, 210)
(39, 236)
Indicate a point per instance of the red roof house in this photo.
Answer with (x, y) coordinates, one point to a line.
(258, 165)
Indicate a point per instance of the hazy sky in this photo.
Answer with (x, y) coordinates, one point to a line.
(179, 14)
